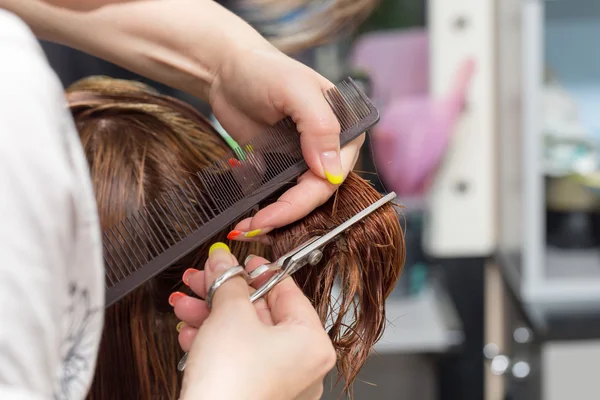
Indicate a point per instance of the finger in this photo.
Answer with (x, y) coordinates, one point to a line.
(294, 204)
(192, 311)
(186, 337)
(262, 308)
(318, 126)
(289, 305)
(251, 263)
(196, 278)
(234, 292)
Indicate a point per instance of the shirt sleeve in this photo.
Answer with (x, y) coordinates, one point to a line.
(36, 216)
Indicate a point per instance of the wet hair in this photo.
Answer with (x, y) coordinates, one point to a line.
(139, 145)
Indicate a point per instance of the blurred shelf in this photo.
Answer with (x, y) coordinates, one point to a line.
(567, 290)
(561, 10)
(583, 265)
(570, 51)
(426, 323)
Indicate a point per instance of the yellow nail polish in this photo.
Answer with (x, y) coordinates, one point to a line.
(334, 179)
(218, 245)
(179, 326)
(253, 233)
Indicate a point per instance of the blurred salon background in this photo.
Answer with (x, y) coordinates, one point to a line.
(489, 134)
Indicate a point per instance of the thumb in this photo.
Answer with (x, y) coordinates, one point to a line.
(318, 127)
(289, 305)
(234, 290)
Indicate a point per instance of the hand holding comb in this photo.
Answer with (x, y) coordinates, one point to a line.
(147, 242)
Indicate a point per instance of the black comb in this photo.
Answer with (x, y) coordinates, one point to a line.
(168, 228)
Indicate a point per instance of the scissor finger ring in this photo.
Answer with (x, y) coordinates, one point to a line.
(227, 275)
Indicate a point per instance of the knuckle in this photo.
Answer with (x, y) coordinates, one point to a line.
(318, 391)
(327, 356)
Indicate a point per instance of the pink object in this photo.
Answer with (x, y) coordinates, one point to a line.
(415, 129)
(414, 132)
(397, 63)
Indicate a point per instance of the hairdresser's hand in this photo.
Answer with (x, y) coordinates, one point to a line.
(274, 349)
(249, 83)
(257, 86)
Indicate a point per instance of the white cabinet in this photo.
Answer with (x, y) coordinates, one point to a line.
(534, 36)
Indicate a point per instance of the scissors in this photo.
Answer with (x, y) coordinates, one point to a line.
(308, 253)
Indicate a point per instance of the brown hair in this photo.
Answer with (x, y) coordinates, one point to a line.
(313, 23)
(140, 144)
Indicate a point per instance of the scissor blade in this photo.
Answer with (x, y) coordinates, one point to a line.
(323, 240)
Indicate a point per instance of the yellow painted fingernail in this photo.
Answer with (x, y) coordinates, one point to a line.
(179, 326)
(253, 233)
(218, 245)
(334, 179)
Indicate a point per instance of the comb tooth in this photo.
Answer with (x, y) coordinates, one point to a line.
(164, 244)
(109, 266)
(232, 186)
(255, 174)
(219, 177)
(349, 97)
(262, 146)
(277, 140)
(107, 281)
(204, 177)
(131, 251)
(175, 222)
(259, 146)
(190, 204)
(198, 204)
(354, 99)
(179, 205)
(144, 253)
(119, 251)
(148, 237)
(166, 226)
(283, 139)
(122, 264)
(337, 105)
(209, 206)
(346, 117)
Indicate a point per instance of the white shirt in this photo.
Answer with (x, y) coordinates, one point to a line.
(51, 270)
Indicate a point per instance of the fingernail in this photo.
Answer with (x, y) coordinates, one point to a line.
(332, 167)
(179, 326)
(250, 257)
(234, 234)
(219, 257)
(174, 297)
(218, 246)
(187, 275)
(253, 233)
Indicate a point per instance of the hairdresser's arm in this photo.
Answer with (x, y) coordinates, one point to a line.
(200, 47)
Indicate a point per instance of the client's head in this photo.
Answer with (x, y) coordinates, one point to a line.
(140, 145)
